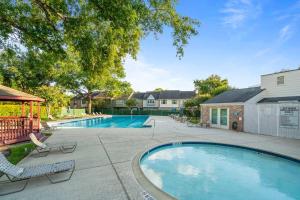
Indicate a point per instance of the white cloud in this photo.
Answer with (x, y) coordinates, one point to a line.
(153, 176)
(168, 154)
(188, 170)
(144, 76)
(263, 52)
(285, 32)
(238, 11)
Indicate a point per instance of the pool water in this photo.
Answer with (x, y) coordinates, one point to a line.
(135, 121)
(200, 171)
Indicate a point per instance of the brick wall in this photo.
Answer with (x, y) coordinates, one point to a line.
(236, 113)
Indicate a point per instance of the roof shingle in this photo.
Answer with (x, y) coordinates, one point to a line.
(9, 94)
(235, 95)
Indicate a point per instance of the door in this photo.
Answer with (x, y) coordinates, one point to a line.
(224, 118)
(219, 118)
(214, 117)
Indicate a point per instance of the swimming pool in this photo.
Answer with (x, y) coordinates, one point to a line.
(193, 171)
(116, 121)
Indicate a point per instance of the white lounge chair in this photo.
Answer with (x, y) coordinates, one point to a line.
(44, 148)
(19, 174)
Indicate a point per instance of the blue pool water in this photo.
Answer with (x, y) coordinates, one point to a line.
(111, 122)
(195, 171)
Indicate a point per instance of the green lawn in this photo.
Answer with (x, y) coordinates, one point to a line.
(18, 152)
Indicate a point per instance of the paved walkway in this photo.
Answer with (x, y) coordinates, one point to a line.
(104, 158)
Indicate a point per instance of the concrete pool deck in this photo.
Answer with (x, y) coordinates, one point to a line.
(104, 158)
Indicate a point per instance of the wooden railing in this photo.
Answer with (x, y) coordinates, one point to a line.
(17, 129)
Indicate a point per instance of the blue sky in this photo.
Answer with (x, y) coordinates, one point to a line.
(238, 40)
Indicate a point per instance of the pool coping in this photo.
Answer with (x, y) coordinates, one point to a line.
(160, 194)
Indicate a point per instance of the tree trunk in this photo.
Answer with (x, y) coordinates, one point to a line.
(48, 108)
(89, 102)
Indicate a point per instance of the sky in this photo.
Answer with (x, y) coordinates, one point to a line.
(238, 40)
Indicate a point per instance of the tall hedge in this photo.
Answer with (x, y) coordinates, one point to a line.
(16, 110)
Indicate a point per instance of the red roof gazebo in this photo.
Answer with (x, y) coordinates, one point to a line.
(15, 129)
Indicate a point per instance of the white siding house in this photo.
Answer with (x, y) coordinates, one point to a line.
(275, 111)
(281, 84)
(164, 100)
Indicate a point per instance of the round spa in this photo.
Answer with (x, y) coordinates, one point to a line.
(194, 171)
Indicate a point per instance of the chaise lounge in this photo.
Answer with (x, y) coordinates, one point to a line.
(44, 148)
(20, 174)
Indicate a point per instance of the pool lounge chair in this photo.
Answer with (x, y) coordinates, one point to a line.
(24, 174)
(46, 127)
(44, 149)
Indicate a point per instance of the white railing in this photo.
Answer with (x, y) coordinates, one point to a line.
(153, 126)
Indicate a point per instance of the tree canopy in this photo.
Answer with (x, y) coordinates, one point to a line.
(158, 89)
(206, 89)
(102, 31)
(213, 85)
(81, 45)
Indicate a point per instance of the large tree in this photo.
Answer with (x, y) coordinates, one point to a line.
(98, 33)
(213, 85)
(102, 31)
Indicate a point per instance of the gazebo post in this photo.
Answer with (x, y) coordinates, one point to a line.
(23, 109)
(38, 114)
(31, 116)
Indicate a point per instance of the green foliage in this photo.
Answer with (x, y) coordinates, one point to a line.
(219, 90)
(54, 96)
(18, 152)
(15, 110)
(72, 112)
(131, 103)
(158, 89)
(101, 103)
(213, 85)
(26, 71)
(195, 102)
(80, 45)
(103, 30)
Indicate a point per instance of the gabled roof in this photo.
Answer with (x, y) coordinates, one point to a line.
(187, 94)
(95, 95)
(165, 94)
(154, 94)
(279, 99)
(9, 94)
(170, 94)
(138, 95)
(235, 96)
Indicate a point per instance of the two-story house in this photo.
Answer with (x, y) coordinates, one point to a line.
(163, 100)
(271, 109)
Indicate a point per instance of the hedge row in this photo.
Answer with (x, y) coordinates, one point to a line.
(16, 110)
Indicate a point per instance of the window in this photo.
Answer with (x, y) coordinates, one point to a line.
(214, 116)
(150, 101)
(119, 102)
(280, 80)
(83, 101)
(164, 101)
(174, 101)
(223, 117)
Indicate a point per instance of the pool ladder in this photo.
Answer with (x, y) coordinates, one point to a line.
(153, 127)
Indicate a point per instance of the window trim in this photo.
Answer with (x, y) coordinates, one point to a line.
(280, 80)
(150, 101)
(164, 101)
